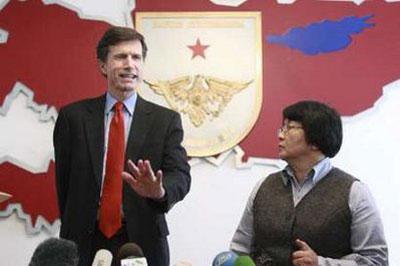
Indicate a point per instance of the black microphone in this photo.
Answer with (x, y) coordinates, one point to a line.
(55, 251)
(130, 254)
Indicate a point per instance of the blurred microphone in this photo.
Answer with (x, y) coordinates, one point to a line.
(130, 254)
(183, 263)
(55, 251)
(244, 261)
(103, 257)
(226, 258)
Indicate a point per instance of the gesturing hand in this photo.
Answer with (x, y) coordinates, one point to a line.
(305, 256)
(141, 178)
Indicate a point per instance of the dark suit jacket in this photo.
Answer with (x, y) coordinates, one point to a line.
(155, 134)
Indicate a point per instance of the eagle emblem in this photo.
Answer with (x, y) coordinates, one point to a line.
(199, 97)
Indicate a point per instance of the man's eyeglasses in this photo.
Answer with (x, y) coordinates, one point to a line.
(286, 128)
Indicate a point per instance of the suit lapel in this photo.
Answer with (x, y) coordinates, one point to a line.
(140, 125)
(94, 130)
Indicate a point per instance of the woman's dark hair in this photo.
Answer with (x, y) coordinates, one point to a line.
(322, 125)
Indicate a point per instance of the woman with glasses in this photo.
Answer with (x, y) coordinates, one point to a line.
(311, 213)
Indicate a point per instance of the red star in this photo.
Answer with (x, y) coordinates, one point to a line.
(198, 49)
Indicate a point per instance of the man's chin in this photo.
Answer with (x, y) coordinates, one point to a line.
(127, 88)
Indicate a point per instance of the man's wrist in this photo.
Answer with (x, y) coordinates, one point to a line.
(162, 197)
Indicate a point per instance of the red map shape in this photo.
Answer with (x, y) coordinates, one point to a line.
(52, 51)
(36, 193)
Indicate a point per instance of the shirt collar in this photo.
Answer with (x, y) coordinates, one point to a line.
(318, 171)
(129, 103)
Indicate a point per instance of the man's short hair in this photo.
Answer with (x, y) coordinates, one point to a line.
(55, 251)
(115, 35)
(322, 125)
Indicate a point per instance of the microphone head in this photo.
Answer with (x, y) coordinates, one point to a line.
(134, 262)
(103, 257)
(183, 263)
(129, 250)
(244, 261)
(226, 258)
(55, 251)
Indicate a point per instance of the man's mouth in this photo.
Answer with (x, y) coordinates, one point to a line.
(128, 76)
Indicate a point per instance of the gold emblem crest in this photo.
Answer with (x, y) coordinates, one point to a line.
(199, 97)
(206, 66)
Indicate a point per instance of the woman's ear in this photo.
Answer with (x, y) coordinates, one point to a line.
(313, 147)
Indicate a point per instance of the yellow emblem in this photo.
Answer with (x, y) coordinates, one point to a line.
(199, 97)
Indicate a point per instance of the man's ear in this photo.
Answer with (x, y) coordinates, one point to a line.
(102, 66)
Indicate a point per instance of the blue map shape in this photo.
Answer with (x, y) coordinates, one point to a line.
(322, 37)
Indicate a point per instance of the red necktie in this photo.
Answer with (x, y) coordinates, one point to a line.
(111, 198)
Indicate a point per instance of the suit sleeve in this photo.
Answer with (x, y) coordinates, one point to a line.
(61, 142)
(175, 167)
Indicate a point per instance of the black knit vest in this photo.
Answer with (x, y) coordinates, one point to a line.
(322, 219)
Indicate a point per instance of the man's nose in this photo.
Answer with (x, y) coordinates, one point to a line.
(129, 62)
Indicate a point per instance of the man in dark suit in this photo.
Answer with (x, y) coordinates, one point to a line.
(96, 139)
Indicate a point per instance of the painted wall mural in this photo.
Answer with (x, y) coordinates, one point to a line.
(345, 53)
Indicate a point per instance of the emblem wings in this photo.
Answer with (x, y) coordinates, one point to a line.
(199, 97)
